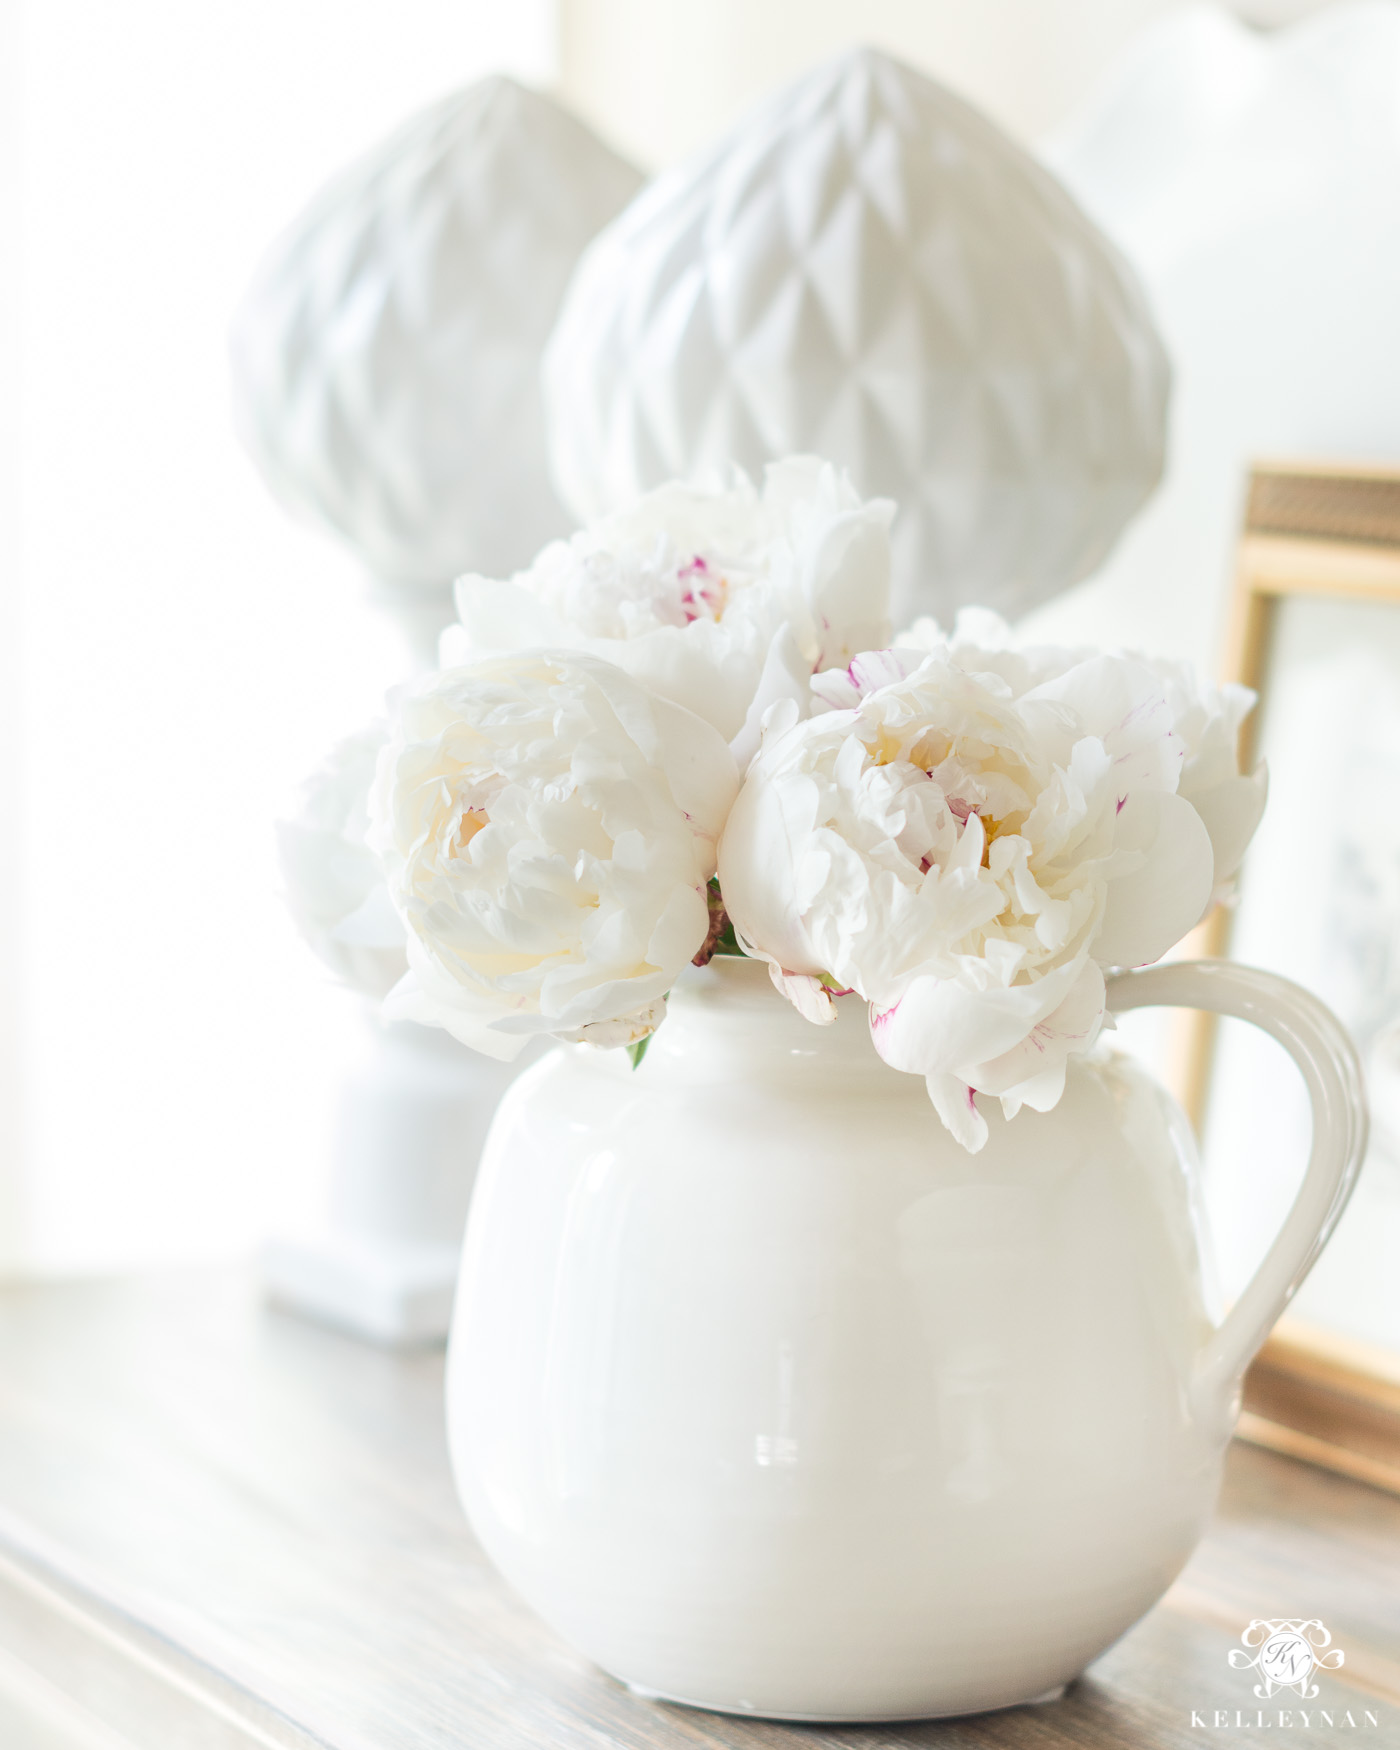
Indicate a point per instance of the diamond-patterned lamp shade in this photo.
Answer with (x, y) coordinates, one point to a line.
(386, 358)
(868, 269)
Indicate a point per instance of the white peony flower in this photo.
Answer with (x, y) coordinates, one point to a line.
(1205, 717)
(723, 602)
(335, 883)
(548, 828)
(968, 852)
(1230, 802)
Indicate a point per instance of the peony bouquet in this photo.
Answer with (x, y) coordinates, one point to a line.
(689, 729)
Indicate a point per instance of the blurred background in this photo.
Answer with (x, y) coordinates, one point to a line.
(175, 653)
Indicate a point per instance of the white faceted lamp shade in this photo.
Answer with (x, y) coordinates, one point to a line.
(386, 358)
(868, 269)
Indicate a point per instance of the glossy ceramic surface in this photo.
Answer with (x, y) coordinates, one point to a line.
(770, 1398)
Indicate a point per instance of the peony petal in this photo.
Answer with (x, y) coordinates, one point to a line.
(1152, 908)
(687, 588)
(680, 930)
(498, 616)
(1042, 1093)
(709, 668)
(577, 896)
(700, 771)
(1032, 1072)
(841, 689)
(1231, 811)
(849, 590)
(840, 553)
(335, 883)
(626, 1030)
(943, 1027)
(412, 999)
(1122, 703)
(758, 877)
(956, 1104)
(786, 676)
(808, 995)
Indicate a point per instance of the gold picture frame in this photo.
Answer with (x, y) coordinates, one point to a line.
(1311, 531)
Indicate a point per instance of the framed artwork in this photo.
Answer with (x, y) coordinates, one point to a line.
(1315, 630)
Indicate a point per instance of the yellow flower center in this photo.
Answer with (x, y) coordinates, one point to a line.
(887, 748)
(468, 827)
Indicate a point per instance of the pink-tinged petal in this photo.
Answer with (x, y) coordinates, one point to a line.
(882, 1031)
(843, 688)
(833, 690)
(1032, 1072)
(1122, 701)
(956, 1104)
(874, 669)
(808, 995)
(940, 1027)
(1150, 909)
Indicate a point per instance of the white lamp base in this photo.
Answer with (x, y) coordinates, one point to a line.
(392, 1292)
(381, 1262)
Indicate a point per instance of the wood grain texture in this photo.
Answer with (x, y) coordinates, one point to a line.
(254, 1519)
(1281, 565)
(1325, 504)
(1329, 1399)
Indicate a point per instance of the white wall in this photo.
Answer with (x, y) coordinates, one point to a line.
(187, 653)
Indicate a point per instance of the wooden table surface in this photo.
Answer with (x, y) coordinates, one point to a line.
(221, 1527)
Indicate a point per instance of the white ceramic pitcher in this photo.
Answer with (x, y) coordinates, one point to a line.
(772, 1400)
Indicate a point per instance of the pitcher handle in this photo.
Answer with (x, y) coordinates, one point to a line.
(1322, 1049)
